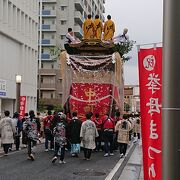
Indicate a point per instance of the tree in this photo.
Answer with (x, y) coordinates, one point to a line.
(55, 52)
(126, 107)
(41, 106)
(124, 48)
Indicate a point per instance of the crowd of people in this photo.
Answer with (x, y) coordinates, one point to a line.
(96, 29)
(96, 133)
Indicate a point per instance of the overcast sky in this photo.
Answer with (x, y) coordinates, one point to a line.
(144, 20)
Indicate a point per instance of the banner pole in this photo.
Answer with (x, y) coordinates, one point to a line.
(171, 91)
(149, 44)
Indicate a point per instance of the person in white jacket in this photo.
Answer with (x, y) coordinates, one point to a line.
(122, 128)
(7, 131)
(121, 38)
(88, 134)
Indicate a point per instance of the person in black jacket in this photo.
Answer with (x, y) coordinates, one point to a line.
(74, 134)
(18, 125)
(24, 134)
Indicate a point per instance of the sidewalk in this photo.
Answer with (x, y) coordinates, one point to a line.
(141, 174)
(133, 169)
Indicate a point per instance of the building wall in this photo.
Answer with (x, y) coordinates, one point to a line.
(62, 15)
(131, 97)
(18, 50)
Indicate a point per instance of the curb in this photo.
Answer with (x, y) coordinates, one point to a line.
(125, 161)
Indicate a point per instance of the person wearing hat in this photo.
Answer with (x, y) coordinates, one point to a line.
(122, 38)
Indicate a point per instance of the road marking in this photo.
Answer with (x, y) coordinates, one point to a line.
(117, 166)
(114, 170)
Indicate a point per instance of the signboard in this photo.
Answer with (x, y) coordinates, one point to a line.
(22, 106)
(150, 80)
(2, 88)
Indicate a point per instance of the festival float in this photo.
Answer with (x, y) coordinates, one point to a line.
(92, 79)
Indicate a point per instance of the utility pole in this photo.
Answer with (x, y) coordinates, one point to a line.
(40, 50)
(171, 91)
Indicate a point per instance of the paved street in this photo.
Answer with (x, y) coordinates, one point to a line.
(17, 167)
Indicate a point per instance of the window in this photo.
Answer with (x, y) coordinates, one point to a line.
(41, 77)
(52, 66)
(42, 50)
(42, 65)
(52, 95)
(53, 7)
(89, 9)
(42, 35)
(42, 21)
(63, 22)
(85, 2)
(63, 37)
(42, 7)
(63, 8)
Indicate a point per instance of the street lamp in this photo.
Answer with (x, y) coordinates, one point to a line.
(18, 91)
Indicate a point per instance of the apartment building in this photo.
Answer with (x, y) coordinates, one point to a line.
(132, 98)
(57, 16)
(18, 53)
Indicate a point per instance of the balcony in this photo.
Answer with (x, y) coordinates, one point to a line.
(45, 41)
(49, 72)
(49, 1)
(48, 13)
(47, 27)
(78, 17)
(48, 42)
(48, 86)
(45, 56)
(78, 31)
(79, 5)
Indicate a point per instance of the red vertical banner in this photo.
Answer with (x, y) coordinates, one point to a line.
(150, 80)
(22, 106)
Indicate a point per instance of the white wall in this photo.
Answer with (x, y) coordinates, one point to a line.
(18, 50)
